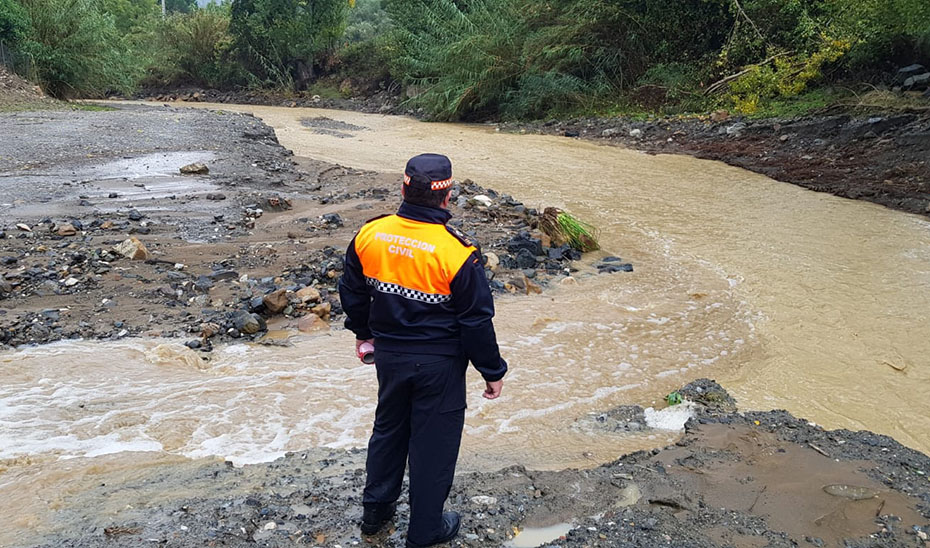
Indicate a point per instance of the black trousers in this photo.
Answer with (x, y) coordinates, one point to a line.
(420, 415)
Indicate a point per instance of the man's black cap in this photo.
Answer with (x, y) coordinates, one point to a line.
(429, 172)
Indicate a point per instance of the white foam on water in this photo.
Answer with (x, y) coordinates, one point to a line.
(670, 418)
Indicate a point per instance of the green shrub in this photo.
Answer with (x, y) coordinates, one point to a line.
(196, 48)
(366, 64)
(76, 51)
(884, 33)
(281, 42)
(132, 16)
(462, 61)
(367, 21)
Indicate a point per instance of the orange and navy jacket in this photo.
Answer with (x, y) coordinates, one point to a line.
(418, 286)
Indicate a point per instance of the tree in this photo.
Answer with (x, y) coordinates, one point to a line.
(14, 23)
(280, 41)
(131, 15)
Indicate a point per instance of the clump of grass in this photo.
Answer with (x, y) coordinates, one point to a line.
(579, 234)
(563, 228)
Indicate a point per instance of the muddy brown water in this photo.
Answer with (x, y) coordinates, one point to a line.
(790, 298)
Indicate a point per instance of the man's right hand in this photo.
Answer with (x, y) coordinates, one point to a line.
(493, 390)
(359, 343)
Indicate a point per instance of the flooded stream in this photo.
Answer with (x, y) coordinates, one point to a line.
(789, 298)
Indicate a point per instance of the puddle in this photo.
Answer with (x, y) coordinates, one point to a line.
(538, 536)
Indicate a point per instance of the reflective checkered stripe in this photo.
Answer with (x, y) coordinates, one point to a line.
(435, 185)
(412, 294)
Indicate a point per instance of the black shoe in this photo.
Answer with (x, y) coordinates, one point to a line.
(450, 527)
(376, 515)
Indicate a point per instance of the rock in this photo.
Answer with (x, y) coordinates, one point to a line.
(203, 283)
(24, 227)
(483, 500)
(491, 260)
(610, 132)
(5, 287)
(636, 133)
(919, 81)
(910, 70)
(710, 395)
(209, 329)
(308, 295)
(322, 310)
(193, 344)
(332, 219)
(216, 197)
(523, 240)
(248, 323)
(39, 332)
(569, 133)
(610, 268)
(275, 301)
(719, 116)
(482, 200)
(107, 225)
(134, 215)
(223, 275)
(66, 230)
(132, 249)
(311, 323)
(113, 195)
(71, 282)
(525, 259)
(736, 128)
(197, 168)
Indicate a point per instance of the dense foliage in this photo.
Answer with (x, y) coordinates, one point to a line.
(473, 59)
(279, 41)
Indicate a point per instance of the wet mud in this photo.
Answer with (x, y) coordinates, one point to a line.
(256, 240)
(733, 479)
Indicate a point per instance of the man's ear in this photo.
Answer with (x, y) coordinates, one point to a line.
(447, 199)
(403, 191)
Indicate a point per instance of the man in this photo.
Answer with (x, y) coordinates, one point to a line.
(416, 289)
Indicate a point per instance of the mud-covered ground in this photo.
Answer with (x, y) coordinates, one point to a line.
(255, 244)
(882, 158)
(754, 479)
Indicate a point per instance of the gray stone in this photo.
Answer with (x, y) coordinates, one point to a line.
(248, 323)
(919, 81)
(736, 128)
(223, 275)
